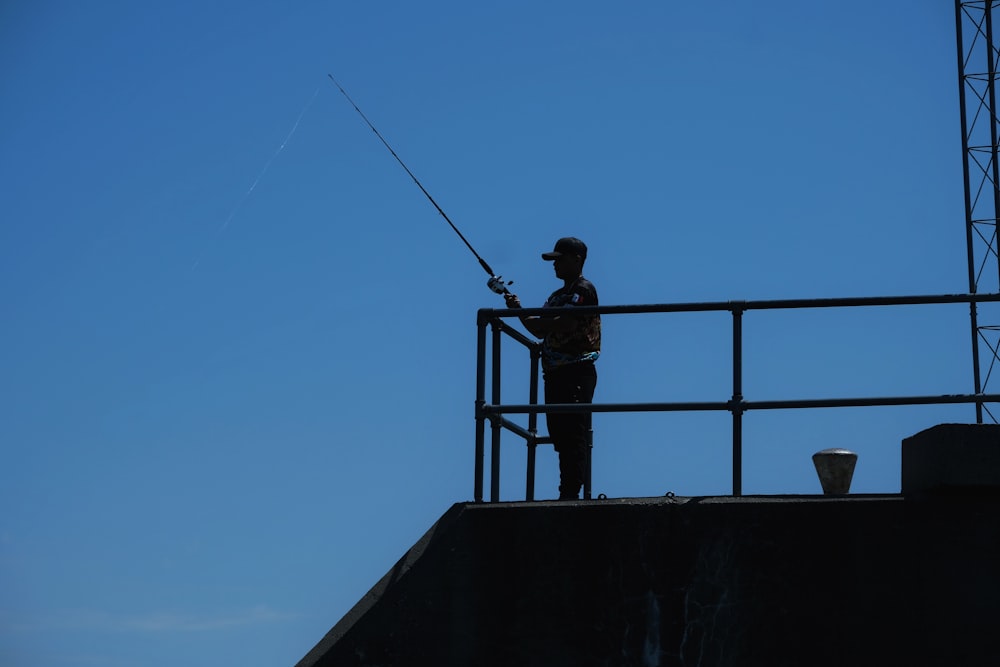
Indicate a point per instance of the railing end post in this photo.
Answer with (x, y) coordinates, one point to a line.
(485, 315)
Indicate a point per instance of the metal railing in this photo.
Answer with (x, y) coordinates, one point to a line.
(494, 411)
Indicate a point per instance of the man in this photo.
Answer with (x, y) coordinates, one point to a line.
(570, 345)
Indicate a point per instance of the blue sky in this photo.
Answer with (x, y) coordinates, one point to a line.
(239, 344)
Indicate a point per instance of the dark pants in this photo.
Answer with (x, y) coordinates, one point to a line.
(570, 433)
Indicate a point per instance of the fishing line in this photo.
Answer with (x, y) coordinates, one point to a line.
(268, 163)
(263, 171)
(495, 282)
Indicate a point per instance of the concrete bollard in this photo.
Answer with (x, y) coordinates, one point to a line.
(835, 468)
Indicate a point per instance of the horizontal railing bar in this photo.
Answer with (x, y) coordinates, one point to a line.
(604, 407)
(741, 405)
(871, 301)
(863, 402)
(838, 302)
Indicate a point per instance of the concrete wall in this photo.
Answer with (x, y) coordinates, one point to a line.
(852, 580)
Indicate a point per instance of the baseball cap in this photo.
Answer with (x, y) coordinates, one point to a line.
(567, 246)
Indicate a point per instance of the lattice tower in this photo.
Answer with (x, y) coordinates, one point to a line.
(978, 59)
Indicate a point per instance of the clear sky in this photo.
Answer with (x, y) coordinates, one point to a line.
(237, 367)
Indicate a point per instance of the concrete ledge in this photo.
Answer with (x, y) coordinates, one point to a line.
(952, 457)
(821, 581)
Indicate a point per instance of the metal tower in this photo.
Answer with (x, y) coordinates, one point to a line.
(978, 59)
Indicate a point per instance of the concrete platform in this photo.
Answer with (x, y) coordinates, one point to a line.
(713, 581)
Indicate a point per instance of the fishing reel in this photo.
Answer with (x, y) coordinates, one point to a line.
(496, 284)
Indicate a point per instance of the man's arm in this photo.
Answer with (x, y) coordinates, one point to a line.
(540, 326)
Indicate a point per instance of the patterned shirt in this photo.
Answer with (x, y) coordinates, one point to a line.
(583, 341)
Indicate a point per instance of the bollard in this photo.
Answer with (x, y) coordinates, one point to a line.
(835, 468)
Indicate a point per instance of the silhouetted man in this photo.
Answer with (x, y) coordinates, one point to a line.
(570, 345)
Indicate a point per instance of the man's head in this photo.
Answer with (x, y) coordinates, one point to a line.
(567, 246)
(567, 257)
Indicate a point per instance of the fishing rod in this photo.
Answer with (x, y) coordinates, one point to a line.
(495, 283)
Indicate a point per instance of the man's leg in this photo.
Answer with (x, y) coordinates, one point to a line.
(572, 461)
(574, 383)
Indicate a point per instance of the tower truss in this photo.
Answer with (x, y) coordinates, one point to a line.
(978, 59)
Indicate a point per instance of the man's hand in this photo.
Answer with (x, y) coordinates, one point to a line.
(512, 300)
(537, 326)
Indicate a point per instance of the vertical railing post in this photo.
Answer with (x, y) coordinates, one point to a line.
(477, 493)
(495, 400)
(737, 401)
